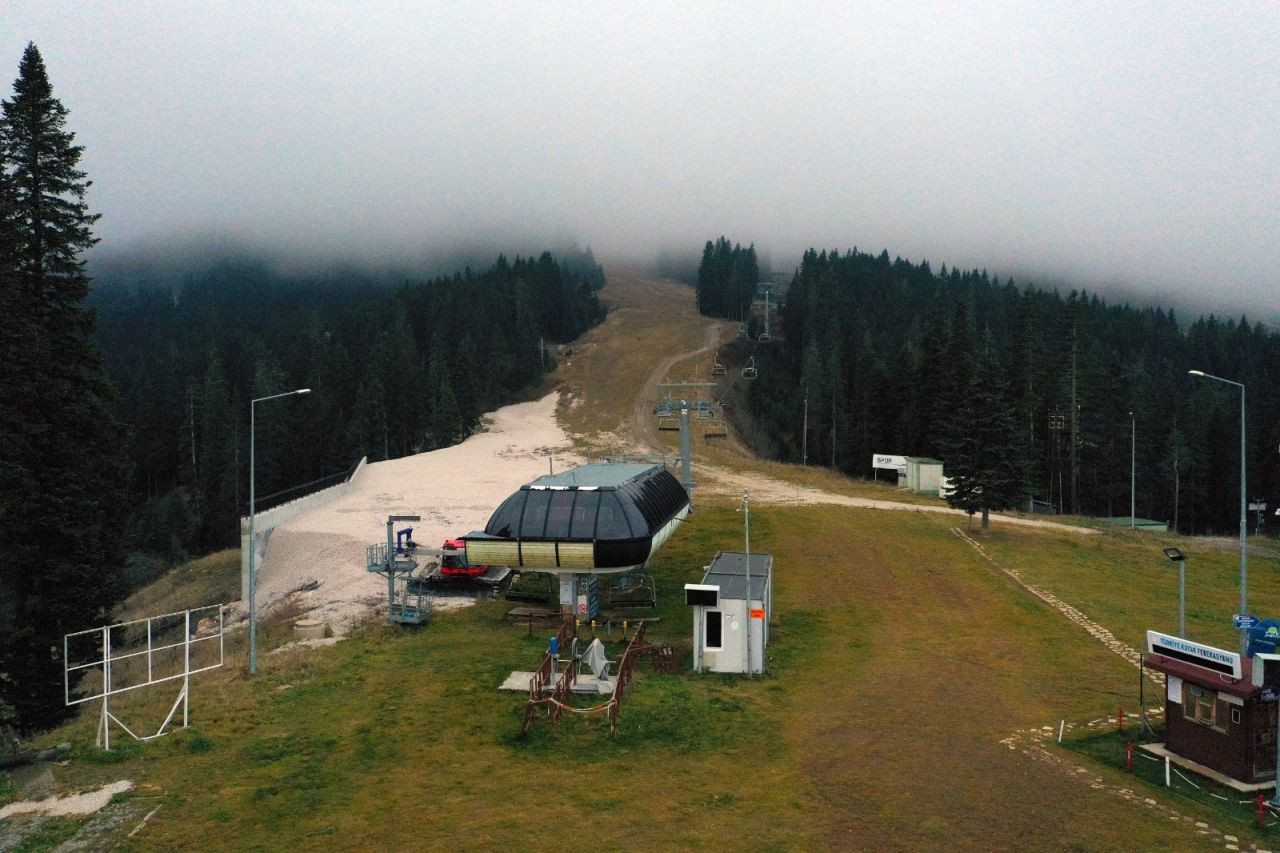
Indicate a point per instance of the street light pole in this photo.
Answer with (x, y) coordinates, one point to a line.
(1244, 542)
(804, 436)
(745, 509)
(253, 575)
(1181, 559)
(1133, 467)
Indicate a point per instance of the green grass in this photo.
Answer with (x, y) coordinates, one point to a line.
(50, 833)
(1225, 808)
(899, 661)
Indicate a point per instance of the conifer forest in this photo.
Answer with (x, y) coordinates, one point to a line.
(899, 359)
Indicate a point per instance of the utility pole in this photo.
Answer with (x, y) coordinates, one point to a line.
(804, 440)
(1075, 426)
(1133, 468)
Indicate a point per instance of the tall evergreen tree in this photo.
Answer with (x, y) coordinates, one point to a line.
(70, 569)
(985, 460)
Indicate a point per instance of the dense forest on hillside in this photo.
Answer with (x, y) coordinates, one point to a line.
(392, 370)
(886, 350)
(727, 279)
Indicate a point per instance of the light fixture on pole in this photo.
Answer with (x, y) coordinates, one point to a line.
(1178, 557)
(1244, 546)
(253, 547)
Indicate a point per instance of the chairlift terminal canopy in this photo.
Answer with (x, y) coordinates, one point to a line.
(595, 518)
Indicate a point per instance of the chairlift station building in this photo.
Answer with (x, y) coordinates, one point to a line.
(735, 598)
(592, 520)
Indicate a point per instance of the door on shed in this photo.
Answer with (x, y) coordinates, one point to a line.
(1263, 748)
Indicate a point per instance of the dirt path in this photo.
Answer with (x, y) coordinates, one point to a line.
(718, 480)
(642, 425)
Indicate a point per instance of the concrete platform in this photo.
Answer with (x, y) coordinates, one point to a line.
(1158, 749)
(586, 684)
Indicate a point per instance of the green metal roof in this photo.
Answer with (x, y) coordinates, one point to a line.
(596, 475)
(924, 459)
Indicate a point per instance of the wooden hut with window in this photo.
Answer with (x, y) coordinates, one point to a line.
(1216, 716)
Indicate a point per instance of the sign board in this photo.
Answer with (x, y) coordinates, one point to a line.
(1242, 622)
(1264, 636)
(881, 460)
(757, 614)
(1205, 657)
(1257, 506)
(701, 595)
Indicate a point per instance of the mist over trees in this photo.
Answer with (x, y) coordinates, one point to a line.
(62, 474)
(392, 371)
(899, 359)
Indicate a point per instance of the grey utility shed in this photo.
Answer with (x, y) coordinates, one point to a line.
(924, 474)
(726, 611)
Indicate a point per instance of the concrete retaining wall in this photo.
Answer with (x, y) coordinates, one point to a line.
(265, 522)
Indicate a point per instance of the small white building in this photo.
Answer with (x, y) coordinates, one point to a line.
(731, 611)
(924, 475)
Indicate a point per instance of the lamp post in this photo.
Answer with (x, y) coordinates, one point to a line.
(1244, 548)
(253, 576)
(1179, 558)
(745, 509)
(1133, 468)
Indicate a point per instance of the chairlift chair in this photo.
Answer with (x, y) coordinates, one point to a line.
(668, 424)
(717, 428)
(749, 372)
(717, 368)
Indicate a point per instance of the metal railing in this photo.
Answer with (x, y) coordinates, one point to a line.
(292, 493)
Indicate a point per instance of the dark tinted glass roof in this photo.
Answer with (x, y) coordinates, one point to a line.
(624, 501)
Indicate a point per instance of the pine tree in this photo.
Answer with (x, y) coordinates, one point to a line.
(984, 463)
(71, 570)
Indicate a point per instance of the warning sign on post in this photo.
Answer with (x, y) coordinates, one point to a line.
(582, 608)
(757, 614)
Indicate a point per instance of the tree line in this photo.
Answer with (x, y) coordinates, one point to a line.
(727, 279)
(392, 371)
(895, 358)
(124, 411)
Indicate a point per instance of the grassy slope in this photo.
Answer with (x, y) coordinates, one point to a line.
(900, 659)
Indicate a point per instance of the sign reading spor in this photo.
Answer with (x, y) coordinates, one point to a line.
(1195, 654)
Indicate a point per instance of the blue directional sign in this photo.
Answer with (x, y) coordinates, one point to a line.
(1245, 621)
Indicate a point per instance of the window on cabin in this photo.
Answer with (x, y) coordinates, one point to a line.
(535, 514)
(560, 514)
(584, 515)
(611, 524)
(1200, 705)
(506, 521)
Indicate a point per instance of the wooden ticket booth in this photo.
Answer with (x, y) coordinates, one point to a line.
(1217, 714)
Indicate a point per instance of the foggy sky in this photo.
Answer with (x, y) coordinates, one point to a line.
(1124, 146)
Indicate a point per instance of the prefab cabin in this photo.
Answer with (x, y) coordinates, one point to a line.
(735, 597)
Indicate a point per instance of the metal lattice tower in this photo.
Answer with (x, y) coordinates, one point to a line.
(678, 399)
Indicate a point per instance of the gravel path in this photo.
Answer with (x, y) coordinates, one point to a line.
(454, 489)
